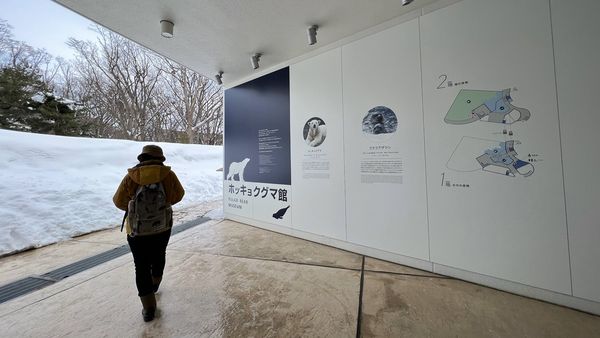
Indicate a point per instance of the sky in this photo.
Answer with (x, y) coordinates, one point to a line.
(45, 24)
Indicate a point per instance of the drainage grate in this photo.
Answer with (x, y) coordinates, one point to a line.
(87, 263)
(30, 284)
(190, 224)
(21, 287)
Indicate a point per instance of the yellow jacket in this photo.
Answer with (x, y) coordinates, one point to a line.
(147, 173)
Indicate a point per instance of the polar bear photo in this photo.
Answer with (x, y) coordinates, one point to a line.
(316, 133)
(237, 168)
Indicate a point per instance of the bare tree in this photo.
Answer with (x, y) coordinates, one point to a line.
(5, 36)
(123, 79)
(122, 90)
(66, 79)
(196, 102)
(130, 92)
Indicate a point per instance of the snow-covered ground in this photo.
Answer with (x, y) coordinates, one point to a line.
(57, 187)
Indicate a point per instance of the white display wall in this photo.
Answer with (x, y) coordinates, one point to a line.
(464, 138)
(577, 46)
(385, 169)
(507, 226)
(318, 169)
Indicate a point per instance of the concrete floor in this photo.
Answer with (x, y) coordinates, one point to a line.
(225, 279)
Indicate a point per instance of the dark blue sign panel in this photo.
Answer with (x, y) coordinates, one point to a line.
(257, 130)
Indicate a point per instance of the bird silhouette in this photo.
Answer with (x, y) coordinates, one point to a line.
(279, 214)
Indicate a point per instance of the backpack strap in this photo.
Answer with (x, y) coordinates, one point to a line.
(137, 191)
(124, 217)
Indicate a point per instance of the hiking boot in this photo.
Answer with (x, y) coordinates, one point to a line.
(149, 307)
(156, 283)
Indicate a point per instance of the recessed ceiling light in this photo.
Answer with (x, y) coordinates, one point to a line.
(219, 78)
(312, 34)
(166, 28)
(255, 59)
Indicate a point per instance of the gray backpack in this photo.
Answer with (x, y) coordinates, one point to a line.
(149, 213)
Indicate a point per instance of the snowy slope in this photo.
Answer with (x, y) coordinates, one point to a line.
(56, 187)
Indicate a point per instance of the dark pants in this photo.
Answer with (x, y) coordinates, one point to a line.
(149, 258)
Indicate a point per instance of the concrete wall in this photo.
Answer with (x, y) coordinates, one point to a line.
(461, 141)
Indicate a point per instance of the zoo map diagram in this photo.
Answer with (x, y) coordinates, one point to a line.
(494, 107)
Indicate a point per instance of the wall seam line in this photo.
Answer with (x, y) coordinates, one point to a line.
(562, 162)
(424, 147)
(344, 143)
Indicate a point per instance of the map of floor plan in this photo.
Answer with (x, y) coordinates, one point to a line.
(485, 105)
(500, 157)
(503, 160)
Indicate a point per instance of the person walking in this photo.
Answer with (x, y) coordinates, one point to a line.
(146, 194)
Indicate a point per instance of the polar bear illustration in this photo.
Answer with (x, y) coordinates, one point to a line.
(316, 133)
(237, 168)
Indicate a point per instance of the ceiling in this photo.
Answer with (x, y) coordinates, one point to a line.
(213, 35)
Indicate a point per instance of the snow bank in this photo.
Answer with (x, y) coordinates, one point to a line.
(56, 187)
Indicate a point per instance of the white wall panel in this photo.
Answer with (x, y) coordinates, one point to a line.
(468, 174)
(577, 48)
(385, 164)
(318, 169)
(495, 208)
